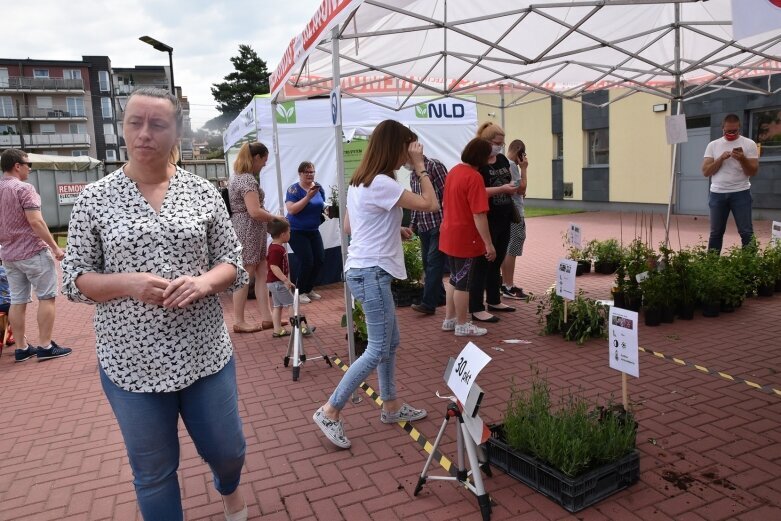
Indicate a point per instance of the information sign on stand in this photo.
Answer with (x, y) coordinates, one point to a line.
(624, 352)
(467, 366)
(573, 235)
(565, 279)
(775, 231)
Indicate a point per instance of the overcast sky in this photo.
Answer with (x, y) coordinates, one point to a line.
(203, 33)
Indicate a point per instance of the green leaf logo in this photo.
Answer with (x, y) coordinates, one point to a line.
(421, 111)
(286, 112)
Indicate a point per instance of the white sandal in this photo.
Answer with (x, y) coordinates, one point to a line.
(241, 515)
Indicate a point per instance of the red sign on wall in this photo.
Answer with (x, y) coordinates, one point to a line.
(67, 193)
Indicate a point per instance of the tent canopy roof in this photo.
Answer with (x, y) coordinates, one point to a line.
(561, 48)
(47, 162)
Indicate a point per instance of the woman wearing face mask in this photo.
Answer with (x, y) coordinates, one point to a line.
(486, 286)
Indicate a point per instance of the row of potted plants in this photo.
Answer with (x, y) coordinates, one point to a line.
(678, 281)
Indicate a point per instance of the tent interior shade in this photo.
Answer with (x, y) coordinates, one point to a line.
(450, 47)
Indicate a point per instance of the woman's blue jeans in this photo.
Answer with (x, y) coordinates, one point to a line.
(149, 425)
(372, 288)
(739, 203)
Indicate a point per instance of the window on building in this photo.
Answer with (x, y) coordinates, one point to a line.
(103, 81)
(766, 131)
(108, 129)
(43, 102)
(7, 129)
(105, 106)
(48, 128)
(558, 146)
(79, 153)
(77, 128)
(4, 77)
(75, 106)
(111, 155)
(598, 147)
(40, 73)
(71, 74)
(7, 107)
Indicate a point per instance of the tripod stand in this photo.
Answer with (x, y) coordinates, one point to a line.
(295, 346)
(473, 452)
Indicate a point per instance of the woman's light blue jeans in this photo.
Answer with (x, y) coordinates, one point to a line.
(149, 425)
(372, 288)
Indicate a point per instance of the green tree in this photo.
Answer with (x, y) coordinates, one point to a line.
(249, 78)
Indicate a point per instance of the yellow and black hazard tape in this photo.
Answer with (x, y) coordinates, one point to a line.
(764, 388)
(407, 426)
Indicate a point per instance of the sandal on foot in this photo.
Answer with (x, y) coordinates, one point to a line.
(247, 329)
(280, 333)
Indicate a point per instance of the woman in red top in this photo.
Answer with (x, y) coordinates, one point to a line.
(464, 234)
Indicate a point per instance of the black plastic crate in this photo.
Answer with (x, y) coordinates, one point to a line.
(573, 494)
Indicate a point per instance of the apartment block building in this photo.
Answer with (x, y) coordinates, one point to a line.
(74, 108)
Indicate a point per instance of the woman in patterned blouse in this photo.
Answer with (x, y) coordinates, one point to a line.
(249, 220)
(152, 246)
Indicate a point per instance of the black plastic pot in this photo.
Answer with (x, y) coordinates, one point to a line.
(619, 300)
(333, 212)
(632, 303)
(724, 307)
(583, 267)
(668, 314)
(766, 290)
(653, 317)
(686, 311)
(711, 309)
(778, 285)
(605, 267)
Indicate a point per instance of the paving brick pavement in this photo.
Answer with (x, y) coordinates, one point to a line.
(710, 448)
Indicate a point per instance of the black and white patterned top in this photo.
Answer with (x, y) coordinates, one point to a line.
(143, 347)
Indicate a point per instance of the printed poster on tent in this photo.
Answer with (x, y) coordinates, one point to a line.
(624, 349)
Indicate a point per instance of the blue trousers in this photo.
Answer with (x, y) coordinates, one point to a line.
(310, 256)
(149, 425)
(739, 203)
(433, 266)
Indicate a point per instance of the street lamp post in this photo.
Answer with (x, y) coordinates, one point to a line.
(160, 46)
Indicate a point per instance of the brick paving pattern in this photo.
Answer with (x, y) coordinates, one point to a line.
(710, 449)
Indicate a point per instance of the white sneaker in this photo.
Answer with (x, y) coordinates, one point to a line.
(469, 329)
(314, 296)
(449, 324)
(303, 299)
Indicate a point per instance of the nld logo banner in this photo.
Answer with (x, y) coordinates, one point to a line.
(444, 109)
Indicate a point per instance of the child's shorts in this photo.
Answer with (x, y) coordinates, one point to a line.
(280, 295)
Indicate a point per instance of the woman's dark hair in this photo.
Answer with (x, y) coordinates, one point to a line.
(386, 150)
(476, 152)
(516, 146)
(304, 165)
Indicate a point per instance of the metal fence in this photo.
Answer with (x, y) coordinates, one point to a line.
(59, 188)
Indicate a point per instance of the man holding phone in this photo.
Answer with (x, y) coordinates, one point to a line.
(730, 162)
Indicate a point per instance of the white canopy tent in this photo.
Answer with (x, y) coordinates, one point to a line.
(675, 49)
(49, 162)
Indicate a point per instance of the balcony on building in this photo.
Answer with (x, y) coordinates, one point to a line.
(111, 139)
(42, 85)
(46, 140)
(34, 113)
(125, 90)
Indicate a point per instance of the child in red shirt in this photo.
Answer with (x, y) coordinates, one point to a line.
(277, 279)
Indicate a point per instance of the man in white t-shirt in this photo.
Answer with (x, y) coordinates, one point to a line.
(730, 162)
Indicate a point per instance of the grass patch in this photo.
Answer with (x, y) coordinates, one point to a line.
(532, 211)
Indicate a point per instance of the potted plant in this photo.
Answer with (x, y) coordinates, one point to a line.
(708, 278)
(575, 452)
(653, 288)
(744, 264)
(583, 257)
(680, 264)
(409, 291)
(332, 206)
(360, 333)
(607, 256)
(635, 262)
(585, 317)
(618, 291)
(769, 264)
